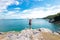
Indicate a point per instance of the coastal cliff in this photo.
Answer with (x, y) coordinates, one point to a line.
(54, 18)
(31, 34)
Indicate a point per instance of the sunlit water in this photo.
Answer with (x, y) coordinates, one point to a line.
(20, 24)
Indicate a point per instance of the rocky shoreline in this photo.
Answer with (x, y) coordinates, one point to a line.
(30, 34)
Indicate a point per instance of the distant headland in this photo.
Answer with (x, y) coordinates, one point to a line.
(54, 18)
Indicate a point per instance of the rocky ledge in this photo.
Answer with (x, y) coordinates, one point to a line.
(30, 34)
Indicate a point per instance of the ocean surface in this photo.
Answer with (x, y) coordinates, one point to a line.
(20, 24)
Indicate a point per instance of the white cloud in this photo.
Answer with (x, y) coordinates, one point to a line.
(39, 12)
(17, 2)
(5, 3)
(38, 0)
(42, 11)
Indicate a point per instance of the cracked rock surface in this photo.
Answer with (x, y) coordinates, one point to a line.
(30, 34)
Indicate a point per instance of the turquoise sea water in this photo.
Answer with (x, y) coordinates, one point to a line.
(20, 24)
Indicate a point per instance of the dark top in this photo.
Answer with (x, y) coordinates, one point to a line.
(30, 21)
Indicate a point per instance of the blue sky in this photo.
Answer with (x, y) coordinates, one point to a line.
(17, 9)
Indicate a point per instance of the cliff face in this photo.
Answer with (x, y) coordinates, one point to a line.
(54, 18)
(57, 18)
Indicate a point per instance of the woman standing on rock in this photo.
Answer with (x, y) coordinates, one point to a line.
(30, 20)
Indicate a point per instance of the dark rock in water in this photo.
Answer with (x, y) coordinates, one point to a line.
(58, 32)
(39, 29)
(0, 33)
(51, 20)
